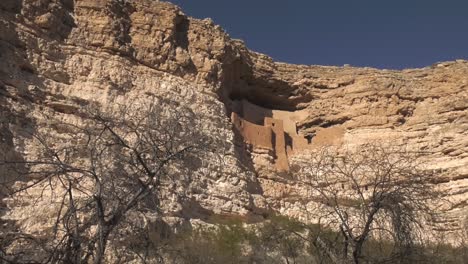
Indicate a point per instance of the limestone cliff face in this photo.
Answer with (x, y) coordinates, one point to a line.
(60, 55)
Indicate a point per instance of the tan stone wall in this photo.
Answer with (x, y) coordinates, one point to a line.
(328, 136)
(254, 113)
(300, 143)
(277, 132)
(276, 125)
(290, 119)
(259, 136)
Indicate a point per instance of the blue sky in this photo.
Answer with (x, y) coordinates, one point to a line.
(392, 34)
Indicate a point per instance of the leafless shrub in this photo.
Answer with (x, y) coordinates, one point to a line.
(100, 170)
(374, 192)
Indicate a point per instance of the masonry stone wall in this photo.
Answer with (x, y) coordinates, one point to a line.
(254, 113)
(276, 130)
(329, 136)
(280, 143)
(256, 135)
(299, 144)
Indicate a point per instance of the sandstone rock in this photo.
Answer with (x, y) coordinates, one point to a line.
(57, 56)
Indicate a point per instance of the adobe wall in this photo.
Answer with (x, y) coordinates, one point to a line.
(290, 119)
(328, 136)
(256, 135)
(254, 113)
(300, 143)
(276, 125)
(276, 130)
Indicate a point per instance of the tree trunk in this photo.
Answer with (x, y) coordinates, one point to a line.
(103, 236)
(357, 253)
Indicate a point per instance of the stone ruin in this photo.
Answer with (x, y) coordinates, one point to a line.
(274, 130)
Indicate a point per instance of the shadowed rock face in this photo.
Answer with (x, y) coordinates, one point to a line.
(61, 55)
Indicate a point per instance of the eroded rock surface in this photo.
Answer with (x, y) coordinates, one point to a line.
(60, 55)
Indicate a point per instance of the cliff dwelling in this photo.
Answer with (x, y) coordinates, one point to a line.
(274, 130)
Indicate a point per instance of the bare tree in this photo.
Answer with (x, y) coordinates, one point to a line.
(374, 192)
(102, 169)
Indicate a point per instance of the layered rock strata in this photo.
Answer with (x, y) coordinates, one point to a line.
(60, 55)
